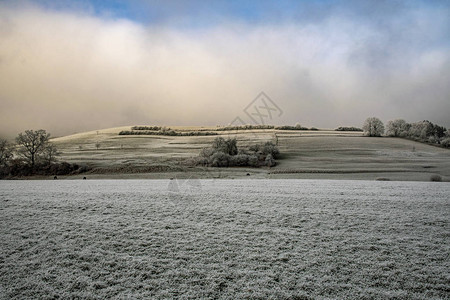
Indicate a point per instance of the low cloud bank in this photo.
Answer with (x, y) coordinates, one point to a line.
(69, 71)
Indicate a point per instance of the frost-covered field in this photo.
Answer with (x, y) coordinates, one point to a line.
(227, 239)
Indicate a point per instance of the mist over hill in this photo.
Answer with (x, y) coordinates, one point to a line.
(69, 68)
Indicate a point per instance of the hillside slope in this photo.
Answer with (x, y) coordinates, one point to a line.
(305, 154)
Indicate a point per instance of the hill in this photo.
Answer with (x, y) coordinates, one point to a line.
(305, 154)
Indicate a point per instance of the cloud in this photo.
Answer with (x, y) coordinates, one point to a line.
(70, 71)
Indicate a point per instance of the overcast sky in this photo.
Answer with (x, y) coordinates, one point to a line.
(71, 66)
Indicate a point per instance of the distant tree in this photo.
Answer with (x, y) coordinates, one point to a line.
(32, 144)
(398, 128)
(228, 146)
(271, 149)
(439, 131)
(5, 152)
(373, 127)
(420, 130)
(97, 145)
(50, 153)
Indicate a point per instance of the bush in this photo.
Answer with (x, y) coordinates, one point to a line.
(206, 152)
(433, 140)
(225, 153)
(269, 148)
(228, 146)
(343, 128)
(436, 178)
(220, 159)
(270, 162)
(287, 127)
(20, 168)
(254, 148)
(446, 142)
(253, 161)
(154, 128)
(239, 160)
(244, 127)
(6, 153)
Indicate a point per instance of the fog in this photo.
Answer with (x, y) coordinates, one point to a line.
(69, 71)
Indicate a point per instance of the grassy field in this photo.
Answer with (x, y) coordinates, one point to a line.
(224, 239)
(305, 154)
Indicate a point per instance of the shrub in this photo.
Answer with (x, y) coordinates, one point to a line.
(239, 160)
(198, 161)
(225, 153)
(254, 148)
(228, 146)
(446, 142)
(244, 127)
(436, 178)
(6, 153)
(154, 128)
(287, 127)
(253, 160)
(220, 159)
(269, 148)
(206, 152)
(20, 167)
(433, 140)
(343, 128)
(270, 162)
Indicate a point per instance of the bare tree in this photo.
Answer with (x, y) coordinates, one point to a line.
(32, 143)
(50, 153)
(5, 152)
(373, 127)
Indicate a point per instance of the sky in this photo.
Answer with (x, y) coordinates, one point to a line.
(73, 66)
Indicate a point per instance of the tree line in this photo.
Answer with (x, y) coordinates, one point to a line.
(33, 154)
(423, 131)
(166, 132)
